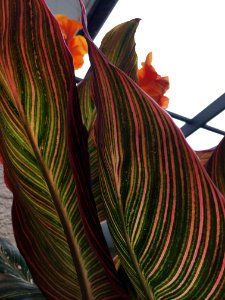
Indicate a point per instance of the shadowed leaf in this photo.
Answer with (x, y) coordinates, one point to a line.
(204, 155)
(15, 279)
(215, 166)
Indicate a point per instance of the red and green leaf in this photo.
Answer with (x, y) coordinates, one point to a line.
(164, 213)
(36, 79)
(119, 46)
(215, 166)
(79, 159)
(204, 155)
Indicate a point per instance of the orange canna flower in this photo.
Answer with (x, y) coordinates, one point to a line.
(76, 43)
(152, 83)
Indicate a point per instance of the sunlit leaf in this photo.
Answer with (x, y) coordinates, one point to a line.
(15, 279)
(79, 159)
(165, 215)
(36, 79)
(119, 46)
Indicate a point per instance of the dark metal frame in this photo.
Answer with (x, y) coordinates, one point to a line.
(97, 17)
(201, 119)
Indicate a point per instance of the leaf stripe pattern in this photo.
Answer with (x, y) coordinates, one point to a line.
(204, 155)
(215, 166)
(36, 75)
(79, 159)
(164, 213)
(119, 46)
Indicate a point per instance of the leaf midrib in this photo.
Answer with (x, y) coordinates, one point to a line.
(146, 289)
(67, 227)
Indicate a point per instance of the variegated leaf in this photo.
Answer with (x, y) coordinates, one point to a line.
(119, 46)
(79, 159)
(215, 166)
(165, 215)
(36, 78)
(204, 155)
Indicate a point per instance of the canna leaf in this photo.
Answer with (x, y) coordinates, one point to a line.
(15, 279)
(164, 214)
(36, 79)
(79, 159)
(87, 106)
(88, 112)
(215, 166)
(119, 46)
(204, 155)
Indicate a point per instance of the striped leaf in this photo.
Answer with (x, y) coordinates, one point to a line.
(36, 79)
(165, 215)
(15, 279)
(215, 166)
(79, 159)
(204, 155)
(119, 46)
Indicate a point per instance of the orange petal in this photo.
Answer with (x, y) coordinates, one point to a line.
(152, 83)
(78, 62)
(164, 102)
(78, 48)
(148, 60)
(76, 44)
(69, 27)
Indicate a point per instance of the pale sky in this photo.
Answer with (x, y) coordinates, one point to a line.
(187, 42)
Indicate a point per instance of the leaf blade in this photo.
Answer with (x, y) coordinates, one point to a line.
(215, 166)
(36, 77)
(140, 151)
(79, 159)
(119, 46)
(15, 278)
(204, 155)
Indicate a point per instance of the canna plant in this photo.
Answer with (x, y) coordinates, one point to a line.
(101, 151)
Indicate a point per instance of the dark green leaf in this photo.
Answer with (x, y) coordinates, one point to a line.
(15, 279)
